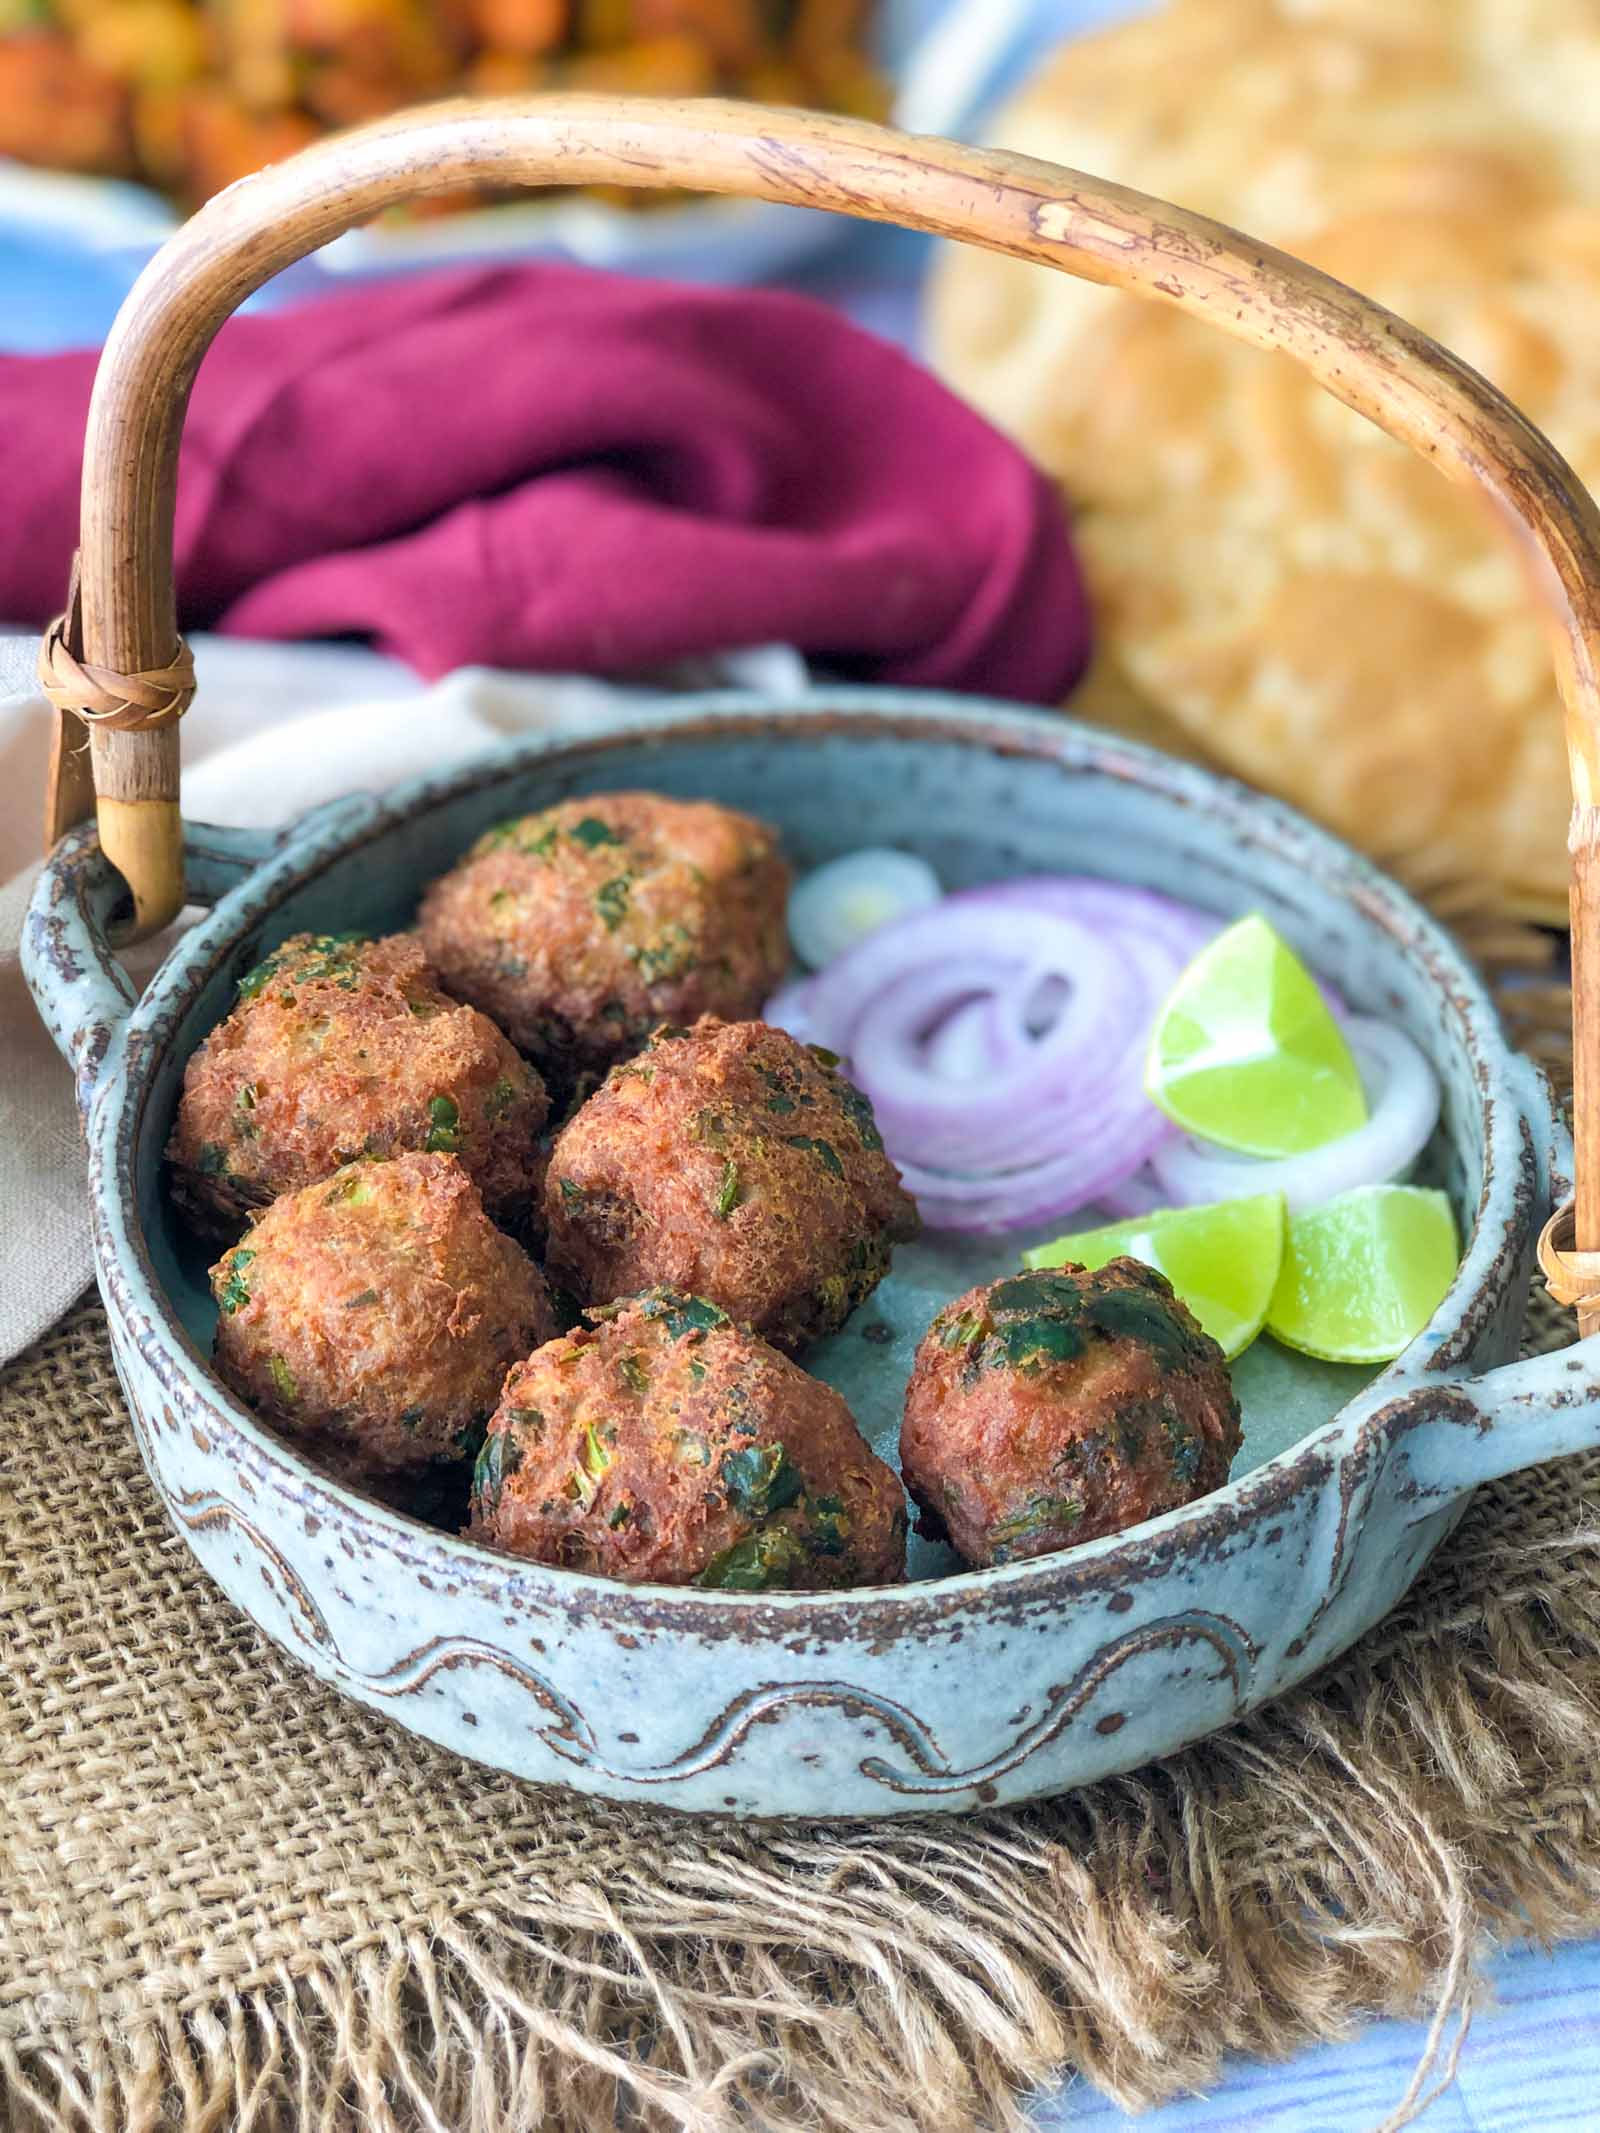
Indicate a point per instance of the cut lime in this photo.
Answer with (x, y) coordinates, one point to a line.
(1246, 1053)
(1363, 1273)
(1222, 1260)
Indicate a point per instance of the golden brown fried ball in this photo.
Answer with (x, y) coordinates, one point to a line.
(669, 1445)
(340, 1047)
(736, 1163)
(580, 928)
(375, 1314)
(1051, 1408)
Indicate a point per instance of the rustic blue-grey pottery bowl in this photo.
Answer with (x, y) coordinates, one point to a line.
(958, 1689)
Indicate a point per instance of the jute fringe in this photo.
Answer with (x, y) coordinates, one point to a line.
(232, 1901)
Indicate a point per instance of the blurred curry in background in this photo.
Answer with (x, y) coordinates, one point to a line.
(1278, 586)
(188, 95)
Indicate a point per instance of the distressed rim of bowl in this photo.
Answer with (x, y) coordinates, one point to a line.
(869, 1613)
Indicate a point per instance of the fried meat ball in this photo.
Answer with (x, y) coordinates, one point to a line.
(579, 929)
(734, 1162)
(375, 1314)
(340, 1047)
(1051, 1408)
(668, 1445)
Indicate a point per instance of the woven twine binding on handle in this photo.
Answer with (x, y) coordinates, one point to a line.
(1571, 1276)
(127, 703)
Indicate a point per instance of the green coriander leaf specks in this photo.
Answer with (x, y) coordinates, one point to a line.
(235, 1291)
(611, 901)
(824, 1151)
(761, 1478)
(497, 1461)
(444, 1126)
(591, 832)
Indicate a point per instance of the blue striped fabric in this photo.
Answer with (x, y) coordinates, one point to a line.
(1531, 2064)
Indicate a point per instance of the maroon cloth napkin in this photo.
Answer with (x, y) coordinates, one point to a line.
(555, 469)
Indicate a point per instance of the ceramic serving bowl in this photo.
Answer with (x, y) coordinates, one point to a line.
(955, 1690)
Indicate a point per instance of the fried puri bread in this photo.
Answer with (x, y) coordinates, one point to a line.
(1280, 589)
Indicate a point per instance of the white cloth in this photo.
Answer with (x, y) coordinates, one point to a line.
(245, 763)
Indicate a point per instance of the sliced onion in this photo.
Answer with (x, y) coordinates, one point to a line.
(969, 1043)
(790, 1009)
(1142, 1194)
(837, 905)
(1035, 1080)
(1000, 1036)
(1403, 1105)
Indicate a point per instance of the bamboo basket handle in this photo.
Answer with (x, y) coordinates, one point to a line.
(1360, 353)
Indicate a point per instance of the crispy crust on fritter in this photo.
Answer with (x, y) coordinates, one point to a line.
(736, 1163)
(339, 1048)
(580, 928)
(667, 1445)
(1050, 1408)
(376, 1313)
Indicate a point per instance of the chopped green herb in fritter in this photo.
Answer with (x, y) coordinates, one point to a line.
(1040, 1514)
(325, 955)
(591, 831)
(761, 1478)
(235, 1292)
(496, 1463)
(611, 901)
(682, 1314)
(1029, 1343)
(770, 1556)
(963, 1330)
(1139, 1315)
(444, 1126)
(827, 1155)
(860, 1113)
(355, 1190)
(670, 955)
(499, 1100)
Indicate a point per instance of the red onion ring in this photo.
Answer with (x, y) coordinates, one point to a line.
(1142, 1194)
(1000, 1036)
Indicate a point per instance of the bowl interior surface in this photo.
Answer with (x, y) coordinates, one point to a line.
(979, 808)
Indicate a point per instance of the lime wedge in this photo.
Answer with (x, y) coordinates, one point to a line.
(1246, 1053)
(1222, 1260)
(1362, 1274)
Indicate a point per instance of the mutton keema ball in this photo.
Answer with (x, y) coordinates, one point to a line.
(664, 1444)
(733, 1162)
(375, 1314)
(340, 1047)
(580, 928)
(1051, 1408)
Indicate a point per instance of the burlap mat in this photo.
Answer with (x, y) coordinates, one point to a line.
(232, 1900)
